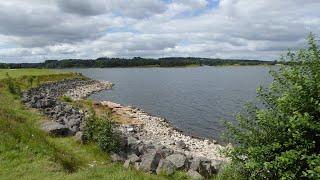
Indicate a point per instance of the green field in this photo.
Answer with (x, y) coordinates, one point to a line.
(28, 153)
(14, 73)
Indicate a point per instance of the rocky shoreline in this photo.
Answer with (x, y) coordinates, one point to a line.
(65, 119)
(151, 144)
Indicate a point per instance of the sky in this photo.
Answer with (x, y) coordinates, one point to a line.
(35, 30)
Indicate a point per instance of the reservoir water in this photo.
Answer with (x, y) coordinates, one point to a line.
(195, 100)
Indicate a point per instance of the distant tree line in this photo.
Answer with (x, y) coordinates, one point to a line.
(135, 62)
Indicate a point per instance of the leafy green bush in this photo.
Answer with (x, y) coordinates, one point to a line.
(30, 80)
(281, 140)
(12, 87)
(108, 140)
(101, 131)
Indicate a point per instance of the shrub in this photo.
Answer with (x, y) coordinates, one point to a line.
(108, 139)
(12, 87)
(30, 80)
(102, 132)
(281, 139)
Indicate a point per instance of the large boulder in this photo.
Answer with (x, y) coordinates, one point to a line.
(216, 165)
(178, 160)
(194, 174)
(206, 169)
(56, 129)
(117, 157)
(165, 167)
(133, 158)
(195, 164)
(79, 137)
(150, 160)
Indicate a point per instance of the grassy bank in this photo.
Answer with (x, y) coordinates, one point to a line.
(28, 153)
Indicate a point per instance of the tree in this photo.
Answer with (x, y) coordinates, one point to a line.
(280, 139)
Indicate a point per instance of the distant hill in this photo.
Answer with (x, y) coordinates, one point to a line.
(135, 62)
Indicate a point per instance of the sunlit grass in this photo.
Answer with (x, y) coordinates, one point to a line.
(28, 153)
(14, 73)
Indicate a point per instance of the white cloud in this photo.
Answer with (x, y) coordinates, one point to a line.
(257, 29)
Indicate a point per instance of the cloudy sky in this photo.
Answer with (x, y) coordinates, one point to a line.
(34, 30)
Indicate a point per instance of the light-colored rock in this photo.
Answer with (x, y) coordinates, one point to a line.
(195, 164)
(79, 137)
(194, 174)
(116, 157)
(150, 161)
(165, 167)
(133, 158)
(126, 163)
(178, 160)
(55, 128)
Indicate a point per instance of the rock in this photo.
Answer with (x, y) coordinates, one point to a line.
(131, 141)
(116, 157)
(206, 169)
(136, 165)
(216, 166)
(55, 128)
(133, 158)
(150, 161)
(195, 164)
(194, 174)
(166, 167)
(180, 144)
(79, 137)
(179, 160)
(164, 152)
(126, 163)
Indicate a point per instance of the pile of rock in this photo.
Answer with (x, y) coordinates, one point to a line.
(66, 119)
(154, 140)
(81, 92)
(154, 158)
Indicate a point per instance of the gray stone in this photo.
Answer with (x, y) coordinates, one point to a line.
(55, 128)
(166, 167)
(179, 160)
(131, 141)
(194, 174)
(216, 166)
(164, 152)
(79, 137)
(126, 163)
(136, 165)
(133, 158)
(206, 169)
(116, 157)
(195, 164)
(180, 144)
(150, 161)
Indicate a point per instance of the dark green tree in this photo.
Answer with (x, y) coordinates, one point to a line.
(280, 139)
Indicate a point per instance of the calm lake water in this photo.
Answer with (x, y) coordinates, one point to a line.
(194, 100)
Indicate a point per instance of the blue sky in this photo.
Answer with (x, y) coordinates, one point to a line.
(34, 30)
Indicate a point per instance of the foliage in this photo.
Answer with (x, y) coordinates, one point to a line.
(231, 172)
(101, 131)
(138, 61)
(12, 87)
(281, 140)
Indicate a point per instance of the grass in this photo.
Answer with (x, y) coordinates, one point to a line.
(28, 153)
(14, 73)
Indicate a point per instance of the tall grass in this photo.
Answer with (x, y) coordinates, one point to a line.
(28, 153)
